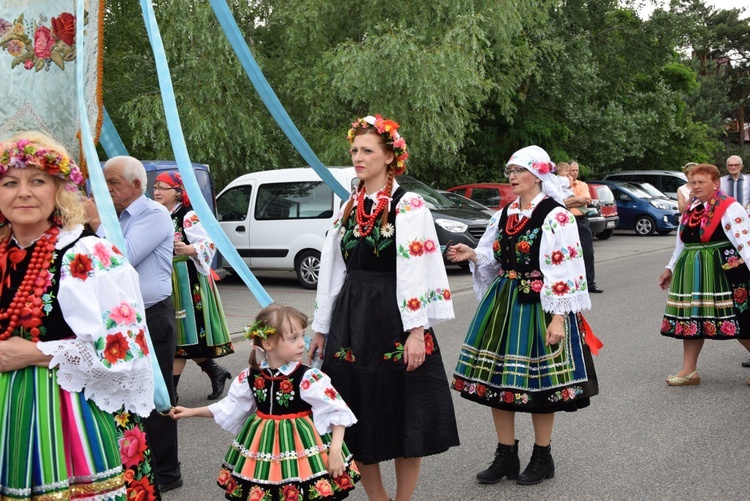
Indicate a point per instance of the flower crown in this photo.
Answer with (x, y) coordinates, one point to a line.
(259, 329)
(24, 154)
(388, 130)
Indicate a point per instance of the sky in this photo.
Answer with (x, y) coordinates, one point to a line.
(719, 4)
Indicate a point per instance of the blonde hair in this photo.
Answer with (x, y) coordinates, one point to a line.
(67, 203)
(279, 317)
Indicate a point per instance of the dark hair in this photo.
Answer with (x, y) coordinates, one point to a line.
(279, 317)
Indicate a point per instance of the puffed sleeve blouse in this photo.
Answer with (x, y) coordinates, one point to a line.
(564, 287)
(198, 238)
(100, 299)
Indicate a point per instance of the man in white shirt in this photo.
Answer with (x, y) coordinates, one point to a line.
(736, 184)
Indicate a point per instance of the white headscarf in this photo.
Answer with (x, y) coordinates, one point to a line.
(536, 160)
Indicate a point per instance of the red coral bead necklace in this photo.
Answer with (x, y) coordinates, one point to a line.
(696, 216)
(26, 306)
(365, 221)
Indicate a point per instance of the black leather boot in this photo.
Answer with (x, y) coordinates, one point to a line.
(175, 380)
(540, 467)
(218, 375)
(505, 464)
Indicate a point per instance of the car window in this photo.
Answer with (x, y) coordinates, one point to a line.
(671, 184)
(651, 190)
(605, 194)
(302, 200)
(486, 196)
(232, 205)
(461, 192)
(459, 202)
(433, 198)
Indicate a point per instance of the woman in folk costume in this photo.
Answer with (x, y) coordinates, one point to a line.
(526, 350)
(708, 276)
(75, 373)
(382, 287)
(202, 332)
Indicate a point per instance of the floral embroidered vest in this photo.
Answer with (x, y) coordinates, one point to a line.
(519, 254)
(278, 395)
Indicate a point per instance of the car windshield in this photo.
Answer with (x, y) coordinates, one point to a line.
(433, 198)
(651, 190)
(636, 190)
(605, 194)
(461, 202)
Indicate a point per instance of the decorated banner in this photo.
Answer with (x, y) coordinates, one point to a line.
(38, 68)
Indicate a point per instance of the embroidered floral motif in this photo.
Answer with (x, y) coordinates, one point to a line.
(80, 267)
(320, 489)
(345, 354)
(510, 397)
(286, 392)
(560, 288)
(417, 248)
(331, 393)
(740, 298)
(566, 394)
(412, 204)
(259, 389)
(395, 355)
(430, 296)
(36, 46)
(523, 246)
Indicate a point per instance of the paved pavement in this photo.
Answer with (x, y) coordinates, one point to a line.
(639, 439)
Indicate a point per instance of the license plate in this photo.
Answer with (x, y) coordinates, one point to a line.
(610, 224)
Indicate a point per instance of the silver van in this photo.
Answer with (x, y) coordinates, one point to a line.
(666, 181)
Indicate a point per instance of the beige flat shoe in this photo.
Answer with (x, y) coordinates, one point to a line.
(690, 380)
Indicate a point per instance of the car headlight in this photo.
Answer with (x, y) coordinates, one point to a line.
(451, 225)
(660, 205)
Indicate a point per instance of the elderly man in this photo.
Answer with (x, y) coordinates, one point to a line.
(577, 205)
(736, 184)
(148, 231)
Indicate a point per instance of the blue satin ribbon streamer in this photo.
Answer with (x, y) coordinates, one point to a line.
(184, 165)
(109, 138)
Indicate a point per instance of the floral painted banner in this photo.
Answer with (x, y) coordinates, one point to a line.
(38, 52)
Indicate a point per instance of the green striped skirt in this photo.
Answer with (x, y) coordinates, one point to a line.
(505, 362)
(55, 444)
(283, 457)
(708, 295)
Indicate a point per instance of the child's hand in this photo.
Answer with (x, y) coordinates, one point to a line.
(178, 412)
(336, 464)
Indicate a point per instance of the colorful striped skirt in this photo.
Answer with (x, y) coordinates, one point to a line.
(505, 362)
(708, 295)
(55, 444)
(283, 457)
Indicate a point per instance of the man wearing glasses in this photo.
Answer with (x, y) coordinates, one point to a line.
(736, 184)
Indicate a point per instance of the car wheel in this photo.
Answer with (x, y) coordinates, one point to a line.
(664, 232)
(605, 234)
(308, 269)
(644, 226)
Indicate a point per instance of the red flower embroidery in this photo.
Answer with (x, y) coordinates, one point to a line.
(728, 328)
(132, 446)
(523, 246)
(43, 42)
(709, 328)
(64, 28)
(259, 384)
(286, 386)
(224, 476)
(305, 384)
(331, 393)
(458, 384)
(140, 340)
(572, 251)
(141, 490)
(537, 285)
(740, 295)
(116, 348)
(81, 266)
(429, 343)
(323, 487)
(344, 482)
(495, 246)
(557, 257)
(560, 288)
(290, 492)
(416, 248)
(508, 397)
(446, 294)
(481, 390)
(414, 304)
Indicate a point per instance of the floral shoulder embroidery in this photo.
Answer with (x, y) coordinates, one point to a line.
(417, 248)
(36, 46)
(102, 257)
(410, 204)
(126, 335)
(559, 256)
(558, 218)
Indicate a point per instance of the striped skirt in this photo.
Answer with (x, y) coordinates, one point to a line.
(505, 362)
(283, 457)
(55, 444)
(708, 295)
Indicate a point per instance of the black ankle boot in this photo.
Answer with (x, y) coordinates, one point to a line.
(218, 375)
(175, 381)
(540, 467)
(505, 464)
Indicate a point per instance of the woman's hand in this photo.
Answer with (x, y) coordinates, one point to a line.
(183, 249)
(665, 279)
(556, 330)
(18, 353)
(178, 412)
(460, 252)
(317, 345)
(414, 351)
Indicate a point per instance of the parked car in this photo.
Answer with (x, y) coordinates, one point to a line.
(651, 190)
(278, 219)
(492, 195)
(608, 209)
(461, 202)
(641, 212)
(666, 181)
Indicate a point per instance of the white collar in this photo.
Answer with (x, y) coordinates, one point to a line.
(285, 369)
(515, 207)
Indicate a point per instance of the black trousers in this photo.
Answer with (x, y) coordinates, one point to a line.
(587, 244)
(162, 430)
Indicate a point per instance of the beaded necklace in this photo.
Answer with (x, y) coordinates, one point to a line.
(365, 221)
(26, 306)
(696, 217)
(513, 225)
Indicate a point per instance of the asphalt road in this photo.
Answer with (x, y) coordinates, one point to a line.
(639, 439)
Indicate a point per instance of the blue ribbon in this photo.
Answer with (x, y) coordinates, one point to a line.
(267, 95)
(109, 138)
(184, 165)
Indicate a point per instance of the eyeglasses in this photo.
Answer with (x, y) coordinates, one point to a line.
(734, 165)
(159, 188)
(517, 172)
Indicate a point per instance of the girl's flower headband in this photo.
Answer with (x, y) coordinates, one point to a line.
(24, 153)
(388, 130)
(259, 329)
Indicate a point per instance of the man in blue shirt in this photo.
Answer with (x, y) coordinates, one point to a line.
(149, 238)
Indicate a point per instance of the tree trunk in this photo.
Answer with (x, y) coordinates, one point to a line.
(741, 125)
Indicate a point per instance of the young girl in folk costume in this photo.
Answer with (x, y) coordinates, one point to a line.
(288, 419)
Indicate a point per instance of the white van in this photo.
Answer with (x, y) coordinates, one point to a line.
(278, 219)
